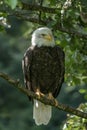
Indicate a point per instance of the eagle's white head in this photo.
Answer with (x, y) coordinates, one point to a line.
(43, 37)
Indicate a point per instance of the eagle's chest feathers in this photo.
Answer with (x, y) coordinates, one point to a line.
(45, 69)
(45, 59)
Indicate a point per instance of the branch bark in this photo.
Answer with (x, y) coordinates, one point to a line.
(53, 102)
(34, 7)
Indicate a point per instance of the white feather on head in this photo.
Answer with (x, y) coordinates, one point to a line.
(43, 37)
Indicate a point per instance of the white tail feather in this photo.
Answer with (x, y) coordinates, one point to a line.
(41, 113)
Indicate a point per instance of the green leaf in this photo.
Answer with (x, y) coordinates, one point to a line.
(12, 3)
(82, 91)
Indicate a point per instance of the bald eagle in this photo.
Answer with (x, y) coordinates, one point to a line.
(43, 68)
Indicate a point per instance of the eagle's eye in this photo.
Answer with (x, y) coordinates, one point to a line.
(43, 34)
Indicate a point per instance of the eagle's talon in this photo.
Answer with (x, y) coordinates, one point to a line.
(39, 93)
(50, 96)
(56, 102)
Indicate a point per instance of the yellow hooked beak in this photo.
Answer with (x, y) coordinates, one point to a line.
(48, 37)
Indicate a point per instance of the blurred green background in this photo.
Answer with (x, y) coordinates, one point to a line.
(15, 108)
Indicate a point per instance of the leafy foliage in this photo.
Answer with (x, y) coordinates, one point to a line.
(76, 123)
(11, 3)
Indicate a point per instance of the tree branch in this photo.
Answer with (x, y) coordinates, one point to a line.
(43, 98)
(34, 7)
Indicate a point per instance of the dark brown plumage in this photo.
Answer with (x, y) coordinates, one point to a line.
(44, 69)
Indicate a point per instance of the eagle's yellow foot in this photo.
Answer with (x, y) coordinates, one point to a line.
(56, 102)
(50, 96)
(39, 93)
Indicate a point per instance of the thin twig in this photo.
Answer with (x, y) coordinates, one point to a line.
(41, 3)
(43, 98)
